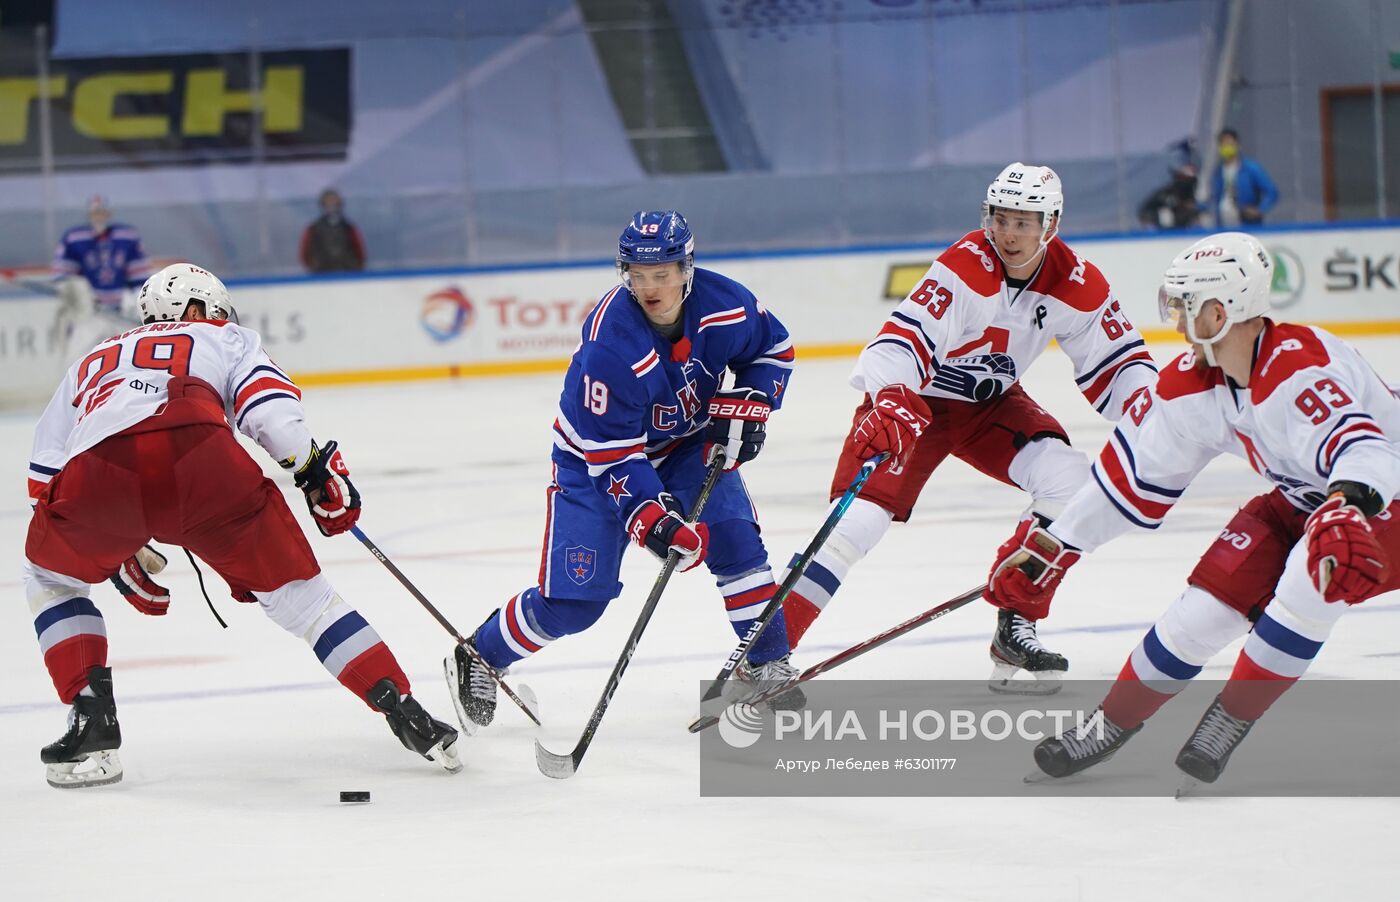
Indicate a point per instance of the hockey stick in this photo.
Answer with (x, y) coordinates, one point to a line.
(452, 630)
(799, 567)
(45, 287)
(850, 654)
(561, 767)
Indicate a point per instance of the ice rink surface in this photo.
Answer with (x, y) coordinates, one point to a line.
(237, 742)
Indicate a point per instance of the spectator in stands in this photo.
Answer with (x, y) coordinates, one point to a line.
(331, 243)
(1172, 206)
(1241, 191)
(106, 254)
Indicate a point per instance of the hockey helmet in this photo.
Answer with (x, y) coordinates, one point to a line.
(656, 237)
(1020, 187)
(166, 294)
(1231, 268)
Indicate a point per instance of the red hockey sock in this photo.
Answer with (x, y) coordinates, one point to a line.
(373, 665)
(1252, 689)
(799, 613)
(1130, 701)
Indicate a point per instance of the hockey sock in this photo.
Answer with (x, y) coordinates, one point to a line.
(529, 622)
(744, 600)
(808, 597)
(352, 651)
(859, 531)
(1151, 676)
(73, 638)
(1273, 658)
(1131, 701)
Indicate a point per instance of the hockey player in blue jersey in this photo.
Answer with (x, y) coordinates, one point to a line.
(107, 254)
(642, 403)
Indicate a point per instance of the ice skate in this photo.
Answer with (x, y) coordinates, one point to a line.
(1015, 647)
(1081, 747)
(472, 687)
(1205, 754)
(755, 679)
(418, 730)
(87, 754)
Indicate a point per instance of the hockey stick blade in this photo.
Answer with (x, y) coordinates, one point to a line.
(706, 721)
(558, 767)
(799, 567)
(442, 621)
(561, 767)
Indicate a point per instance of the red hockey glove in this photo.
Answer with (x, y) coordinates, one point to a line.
(133, 581)
(892, 425)
(330, 495)
(657, 526)
(1028, 569)
(738, 421)
(1345, 561)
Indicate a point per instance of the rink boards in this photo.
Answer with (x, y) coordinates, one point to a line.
(497, 321)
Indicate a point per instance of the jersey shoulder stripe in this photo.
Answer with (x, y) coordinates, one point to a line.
(722, 318)
(595, 322)
(648, 363)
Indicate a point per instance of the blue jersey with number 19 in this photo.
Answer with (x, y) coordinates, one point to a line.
(632, 397)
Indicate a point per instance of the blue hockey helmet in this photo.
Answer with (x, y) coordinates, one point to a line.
(661, 236)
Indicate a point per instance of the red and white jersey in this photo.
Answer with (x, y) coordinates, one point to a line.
(1314, 413)
(124, 381)
(963, 327)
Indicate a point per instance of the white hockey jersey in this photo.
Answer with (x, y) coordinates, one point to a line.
(124, 381)
(963, 333)
(1314, 413)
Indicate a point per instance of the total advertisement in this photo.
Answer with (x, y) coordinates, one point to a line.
(374, 327)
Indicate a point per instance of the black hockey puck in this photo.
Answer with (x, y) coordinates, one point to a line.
(354, 796)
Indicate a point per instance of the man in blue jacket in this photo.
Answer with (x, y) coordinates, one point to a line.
(1241, 191)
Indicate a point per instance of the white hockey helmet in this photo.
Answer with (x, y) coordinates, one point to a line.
(1022, 187)
(1231, 268)
(166, 294)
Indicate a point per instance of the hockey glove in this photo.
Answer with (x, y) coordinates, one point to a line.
(1028, 569)
(893, 424)
(133, 581)
(738, 424)
(658, 527)
(330, 495)
(1345, 561)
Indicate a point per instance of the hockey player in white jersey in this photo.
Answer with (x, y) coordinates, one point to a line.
(1311, 417)
(942, 377)
(135, 445)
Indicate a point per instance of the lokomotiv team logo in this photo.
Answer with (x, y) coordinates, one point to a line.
(446, 314)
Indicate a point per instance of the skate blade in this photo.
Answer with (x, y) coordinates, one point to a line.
(99, 769)
(532, 701)
(1190, 787)
(446, 755)
(1005, 682)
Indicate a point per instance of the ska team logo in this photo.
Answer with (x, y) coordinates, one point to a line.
(446, 314)
(580, 562)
